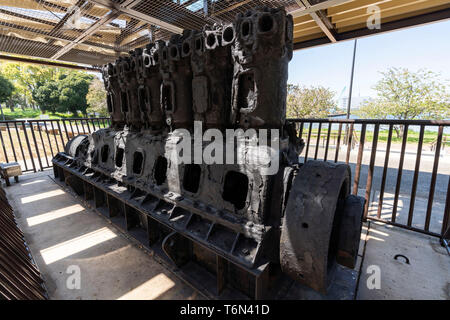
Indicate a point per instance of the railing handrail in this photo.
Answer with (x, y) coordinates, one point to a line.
(46, 137)
(305, 127)
(56, 119)
(66, 119)
(375, 121)
(316, 120)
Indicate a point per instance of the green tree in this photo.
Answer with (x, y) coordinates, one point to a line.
(16, 100)
(313, 102)
(6, 89)
(73, 89)
(407, 95)
(96, 98)
(47, 96)
(27, 78)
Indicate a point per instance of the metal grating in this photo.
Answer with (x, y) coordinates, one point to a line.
(95, 32)
(19, 277)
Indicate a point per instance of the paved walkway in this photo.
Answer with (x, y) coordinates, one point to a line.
(64, 236)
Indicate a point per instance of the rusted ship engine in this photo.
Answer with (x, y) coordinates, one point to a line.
(242, 226)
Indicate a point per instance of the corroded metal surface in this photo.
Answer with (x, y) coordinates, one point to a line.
(310, 230)
(20, 278)
(228, 217)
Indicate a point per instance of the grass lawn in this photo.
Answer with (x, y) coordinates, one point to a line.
(34, 114)
(413, 136)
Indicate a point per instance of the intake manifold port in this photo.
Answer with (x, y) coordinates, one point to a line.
(235, 189)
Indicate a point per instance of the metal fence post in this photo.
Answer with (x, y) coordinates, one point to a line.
(28, 145)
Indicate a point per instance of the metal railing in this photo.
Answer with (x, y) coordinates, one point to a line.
(33, 143)
(404, 179)
(20, 278)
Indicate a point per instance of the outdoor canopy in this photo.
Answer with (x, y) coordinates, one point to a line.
(94, 32)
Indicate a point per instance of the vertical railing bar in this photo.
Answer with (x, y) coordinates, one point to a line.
(87, 125)
(373, 154)
(3, 145)
(98, 122)
(71, 128)
(318, 141)
(359, 159)
(49, 142)
(55, 136)
(10, 140)
(21, 146)
(433, 177)
(399, 172)
(301, 130)
(307, 143)
(27, 140)
(93, 124)
(36, 145)
(60, 133)
(446, 218)
(43, 145)
(82, 126)
(349, 143)
(338, 143)
(385, 168)
(76, 123)
(416, 176)
(328, 142)
(65, 129)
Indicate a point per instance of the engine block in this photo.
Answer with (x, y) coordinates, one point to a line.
(246, 223)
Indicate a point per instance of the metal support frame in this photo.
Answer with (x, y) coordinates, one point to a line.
(57, 28)
(48, 63)
(106, 19)
(303, 11)
(116, 10)
(137, 15)
(385, 27)
(320, 18)
(53, 37)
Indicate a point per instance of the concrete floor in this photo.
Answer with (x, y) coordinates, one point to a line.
(62, 233)
(425, 276)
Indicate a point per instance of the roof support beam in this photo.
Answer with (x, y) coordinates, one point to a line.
(23, 16)
(431, 17)
(316, 7)
(48, 6)
(57, 28)
(48, 36)
(321, 19)
(94, 27)
(34, 19)
(137, 15)
(48, 63)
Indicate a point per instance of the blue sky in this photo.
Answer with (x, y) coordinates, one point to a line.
(425, 46)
